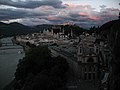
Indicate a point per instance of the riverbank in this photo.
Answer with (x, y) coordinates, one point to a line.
(8, 62)
(10, 85)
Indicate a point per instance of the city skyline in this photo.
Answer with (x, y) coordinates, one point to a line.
(85, 13)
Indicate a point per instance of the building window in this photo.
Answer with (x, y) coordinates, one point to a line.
(91, 50)
(85, 76)
(85, 69)
(89, 76)
(80, 50)
(90, 60)
(97, 50)
(94, 68)
(90, 68)
(93, 76)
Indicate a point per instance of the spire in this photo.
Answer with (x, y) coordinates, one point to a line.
(71, 33)
(52, 31)
(63, 31)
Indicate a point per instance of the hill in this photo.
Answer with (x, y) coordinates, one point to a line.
(111, 32)
(14, 29)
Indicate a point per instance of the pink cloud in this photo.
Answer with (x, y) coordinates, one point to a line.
(44, 8)
(84, 14)
(94, 18)
(71, 6)
(53, 18)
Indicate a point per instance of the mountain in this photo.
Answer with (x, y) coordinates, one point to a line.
(1, 23)
(14, 29)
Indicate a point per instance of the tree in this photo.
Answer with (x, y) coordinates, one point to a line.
(34, 61)
(39, 71)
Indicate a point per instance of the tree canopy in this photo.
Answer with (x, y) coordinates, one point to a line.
(39, 71)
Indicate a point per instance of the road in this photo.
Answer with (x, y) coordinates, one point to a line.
(73, 82)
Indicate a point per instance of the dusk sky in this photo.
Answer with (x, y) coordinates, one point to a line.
(85, 13)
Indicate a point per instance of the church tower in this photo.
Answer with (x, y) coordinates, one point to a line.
(87, 58)
(71, 33)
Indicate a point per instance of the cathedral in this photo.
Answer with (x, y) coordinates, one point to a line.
(88, 57)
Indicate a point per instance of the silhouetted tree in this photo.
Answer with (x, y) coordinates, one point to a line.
(39, 71)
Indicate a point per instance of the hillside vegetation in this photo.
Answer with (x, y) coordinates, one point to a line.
(39, 71)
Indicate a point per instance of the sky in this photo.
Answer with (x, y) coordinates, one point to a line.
(85, 13)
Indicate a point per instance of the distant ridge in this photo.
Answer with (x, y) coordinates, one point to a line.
(1, 23)
(16, 28)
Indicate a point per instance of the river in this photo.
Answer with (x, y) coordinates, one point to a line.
(9, 58)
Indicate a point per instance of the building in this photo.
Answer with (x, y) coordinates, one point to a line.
(92, 56)
(87, 57)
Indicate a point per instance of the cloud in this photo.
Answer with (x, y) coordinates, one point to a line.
(86, 16)
(16, 13)
(84, 13)
(34, 21)
(33, 3)
(81, 14)
(53, 18)
(6, 14)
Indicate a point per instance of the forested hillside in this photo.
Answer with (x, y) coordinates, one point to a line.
(111, 32)
(15, 28)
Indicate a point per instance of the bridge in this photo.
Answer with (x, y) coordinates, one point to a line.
(16, 47)
(7, 44)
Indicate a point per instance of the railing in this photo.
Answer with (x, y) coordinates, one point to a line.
(11, 48)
